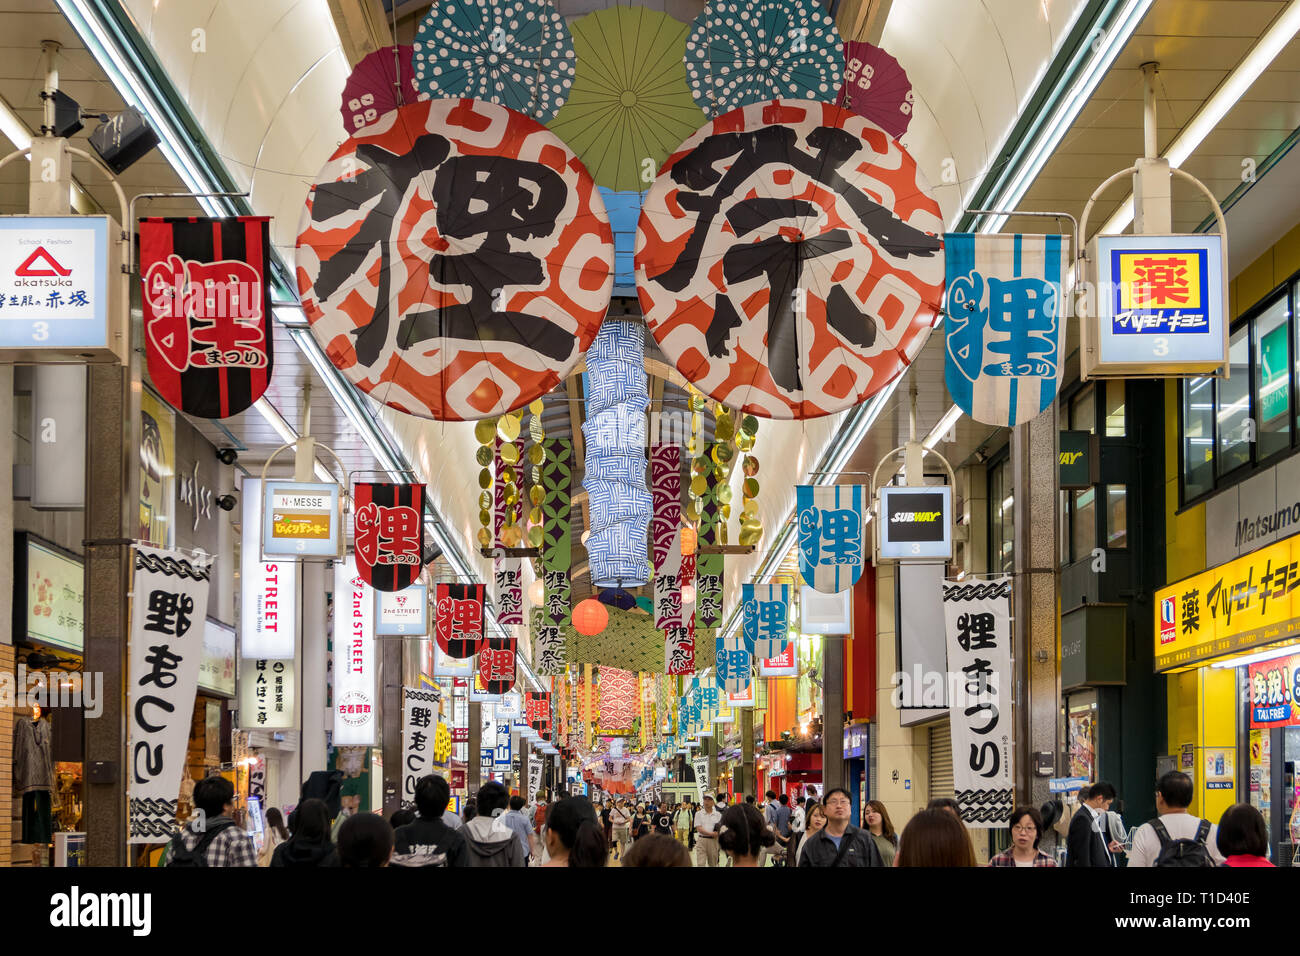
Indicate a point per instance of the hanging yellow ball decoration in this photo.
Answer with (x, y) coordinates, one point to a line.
(483, 455)
(724, 494)
(724, 428)
(508, 427)
(699, 485)
(484, 430)
(512, 535)
(485, 499)
(750, 466)
(723, 453)
(696, 401)
(537, 406)
(485, 518)
(484, 538)
(535, 536)
(535, 516)
(510, 453)
(536, 454)
(537, 494)
(745, 442)
(485, 479)
(751, 487)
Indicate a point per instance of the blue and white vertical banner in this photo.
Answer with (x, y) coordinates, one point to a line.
(831, 521)
(734, 665)
(765, 618)
(1004, 324)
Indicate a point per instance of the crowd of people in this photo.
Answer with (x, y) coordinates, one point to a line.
(501, 830)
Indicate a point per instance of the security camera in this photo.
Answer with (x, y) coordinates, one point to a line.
(227, 502)
(227, 456)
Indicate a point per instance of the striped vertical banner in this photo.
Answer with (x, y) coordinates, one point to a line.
(666, 533)
(832, 527)
(765, 618)
(508, 572)
(557, 479)
(734, 666)
(1003, 329)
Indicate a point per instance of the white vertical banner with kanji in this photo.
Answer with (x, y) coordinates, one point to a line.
(977, 620)
(534, 773)
(700, 765)
(419, 725)
(169, 600)
(355, 706)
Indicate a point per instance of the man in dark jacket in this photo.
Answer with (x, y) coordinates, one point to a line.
(489, 840)
(429, 841)
(1087, 843)
(839, 843)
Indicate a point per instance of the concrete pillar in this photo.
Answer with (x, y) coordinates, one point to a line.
(833, 650)
(315, 718)
(7, 503)
(712, 746)
(902, 753)
(1036, 695)
(474, 771)
(390, 713)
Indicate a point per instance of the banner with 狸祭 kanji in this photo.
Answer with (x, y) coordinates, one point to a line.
(831, 523)
(169, 599)
(765, 618)
(458, 621)
(1004, 324)
(977, 620)
(709, 567)
(509, 575)
(734, 664)
(419, 728)
(557, 555)
(679, 649)
(666, 534)
(550, 658)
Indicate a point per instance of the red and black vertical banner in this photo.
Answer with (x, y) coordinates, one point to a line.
(496, 664)
(537, 710)
(458, 623)
(388, 525)
(207, 311)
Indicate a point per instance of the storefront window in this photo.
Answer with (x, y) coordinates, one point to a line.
(1115, 408)
(1083, 524)
(1272, 348)
(1116, 516)
(1001, 518)
(1198, 437)
(1232, 407)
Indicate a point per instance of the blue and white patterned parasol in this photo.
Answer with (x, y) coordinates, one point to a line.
(515, 53)
(750, 51)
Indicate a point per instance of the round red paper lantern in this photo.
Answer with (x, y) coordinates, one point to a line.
(590, 617)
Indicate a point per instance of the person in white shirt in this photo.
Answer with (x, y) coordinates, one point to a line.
(798, 823)
(1173, 797)
(707, 821)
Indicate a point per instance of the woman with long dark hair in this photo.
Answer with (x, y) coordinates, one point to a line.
(744, 835)
(574, 836)
(935, 838)
(310, 843)
(882, 830)
(276, 833)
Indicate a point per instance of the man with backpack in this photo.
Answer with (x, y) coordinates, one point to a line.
(1175, 838)
(211, 838)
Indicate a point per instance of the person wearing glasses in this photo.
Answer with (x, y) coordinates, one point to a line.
(1026, 830)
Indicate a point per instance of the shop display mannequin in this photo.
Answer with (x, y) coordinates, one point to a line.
(34, 779)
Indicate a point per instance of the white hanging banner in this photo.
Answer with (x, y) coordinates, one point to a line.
(701, 767)
(978, 625)
(169, 597)
(419, 725)
(266, 695)
(445, 665)
(534, 776)
(355, 706)
(269, 589)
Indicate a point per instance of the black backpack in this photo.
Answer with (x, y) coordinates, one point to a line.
(1183, 852)
(183, 857)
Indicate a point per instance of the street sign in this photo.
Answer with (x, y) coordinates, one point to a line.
(61, 290)
(915, 523)
(302, 520)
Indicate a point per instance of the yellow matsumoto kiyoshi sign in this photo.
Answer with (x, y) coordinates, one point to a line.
(1245, 603)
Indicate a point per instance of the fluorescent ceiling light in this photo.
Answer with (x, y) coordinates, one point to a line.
(1268, 655)
(275, 420)
(944, 426)
(14, 129)
(290, 315)
(1214, 109)
(1106, 48)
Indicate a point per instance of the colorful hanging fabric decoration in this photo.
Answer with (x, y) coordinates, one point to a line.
(1004, 328)
(615, 463)
(832, 548)
(557, 475)
(508, 517)
(666, 533)
(381, 82)
(789, 259)
(679, 649)
(496, 664)
(537, 711)
(388, 524)
(207, 311)
(454, 260)
(459, 619)
(876, 87)
(765, 618)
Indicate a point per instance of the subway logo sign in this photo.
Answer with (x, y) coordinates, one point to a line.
(917, 523)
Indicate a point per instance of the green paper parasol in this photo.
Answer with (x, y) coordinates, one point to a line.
(629, 107)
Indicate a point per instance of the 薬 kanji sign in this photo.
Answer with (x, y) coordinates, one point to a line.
(1159, 307)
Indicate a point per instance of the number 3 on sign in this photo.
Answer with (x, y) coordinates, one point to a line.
(1162, 346)
(40, 331)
